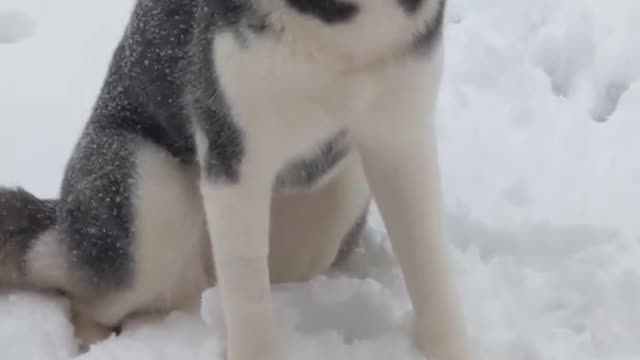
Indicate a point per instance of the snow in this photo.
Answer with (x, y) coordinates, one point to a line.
(538, 133)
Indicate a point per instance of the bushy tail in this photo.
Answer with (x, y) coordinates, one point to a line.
(23, 218)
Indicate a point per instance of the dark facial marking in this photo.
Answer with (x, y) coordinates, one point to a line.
(257, 23)
(432, 32)
(328, 11)
(410, 6)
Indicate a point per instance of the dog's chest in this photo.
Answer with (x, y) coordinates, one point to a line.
(300, 105)
(288, 85)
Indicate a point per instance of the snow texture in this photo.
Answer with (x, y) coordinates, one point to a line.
(538, 129)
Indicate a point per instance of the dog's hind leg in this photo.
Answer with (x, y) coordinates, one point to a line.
(162, 259)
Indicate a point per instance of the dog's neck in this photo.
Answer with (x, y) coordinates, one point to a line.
(354, 33)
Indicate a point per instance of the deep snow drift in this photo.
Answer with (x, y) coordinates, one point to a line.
(538, 130)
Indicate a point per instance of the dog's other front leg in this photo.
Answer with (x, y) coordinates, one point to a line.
(237, 214)
(398, 149)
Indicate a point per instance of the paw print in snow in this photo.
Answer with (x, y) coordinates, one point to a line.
(607, 98)
(15, 26)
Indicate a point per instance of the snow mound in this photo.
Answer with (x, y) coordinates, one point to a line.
(15, 26)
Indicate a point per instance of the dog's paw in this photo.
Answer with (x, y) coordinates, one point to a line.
(254, 348)
(446, 343)
(249, 352)
(88, 333)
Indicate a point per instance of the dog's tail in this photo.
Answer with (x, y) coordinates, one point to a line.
(26, 224)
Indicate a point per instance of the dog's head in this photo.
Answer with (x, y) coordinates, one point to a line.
(357, 29)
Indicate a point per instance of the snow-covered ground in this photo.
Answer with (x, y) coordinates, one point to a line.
(539, 127)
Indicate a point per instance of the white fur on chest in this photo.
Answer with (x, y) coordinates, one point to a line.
(272, 91)
(301, 81)
(288, 103)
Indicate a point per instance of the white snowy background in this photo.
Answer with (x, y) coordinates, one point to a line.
(540, 135)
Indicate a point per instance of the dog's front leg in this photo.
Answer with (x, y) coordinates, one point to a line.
(237, 214)
(398, 149)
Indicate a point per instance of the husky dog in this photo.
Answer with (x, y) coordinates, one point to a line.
(238, 143)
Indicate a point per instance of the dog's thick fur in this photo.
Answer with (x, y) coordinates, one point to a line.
(236, 142)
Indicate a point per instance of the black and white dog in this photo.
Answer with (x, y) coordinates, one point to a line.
(239, 141)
